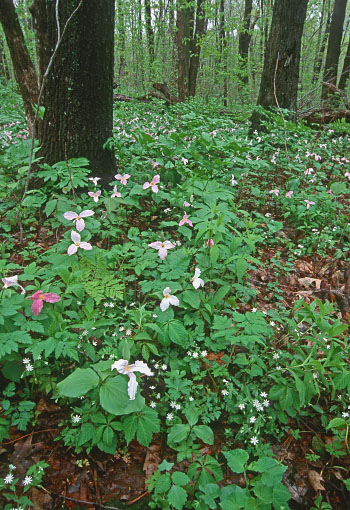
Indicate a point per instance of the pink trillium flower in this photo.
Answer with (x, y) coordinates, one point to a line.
(78, 218)
(94, 179)
(116, 193)
(122, 178)
(168, 300)
(152, 184)
(11, 281)
(210, 242)
(73, 248)
(309, 203)
(38, 299)
(123, 367)
(196, 281)
(95, 195)
(274, 192)
(162, 248)
(186, 204)
(308, 171)
(185, 220)
(289, 194)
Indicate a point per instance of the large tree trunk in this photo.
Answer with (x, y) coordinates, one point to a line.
(346, 69)
(149, 29)
(23, 66)
(321, 41)
(78, 96)
(280, 76)
(244, 41)
(334, 46)
(195, 48)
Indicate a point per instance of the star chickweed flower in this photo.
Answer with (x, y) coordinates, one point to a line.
(38, 299)
(73, 248)
(78, 218)
(11, 281)
(27, 480)
(123, 367)
(152, 184)
(95, 195)
(76, 418)
(196, 281)
(185, 220)
(122, 178)
(254, 440)
(168, 300)
(8, 479)
(162, 247)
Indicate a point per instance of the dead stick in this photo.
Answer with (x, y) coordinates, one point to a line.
(137, 499)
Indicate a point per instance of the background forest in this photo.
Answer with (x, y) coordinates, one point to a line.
(175, 244)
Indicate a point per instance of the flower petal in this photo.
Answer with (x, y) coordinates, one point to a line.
(163, 252)
(156, 179)
(36, 295)
(51, 297)
(140, 366)
(156, 245)
(86, 213)
(132, 386)
(120, 365)
(166, 291)
(85, 246)
(37, 306)
(70, 215)
(80, 225)
(75, 237)
(146, 185)
(164, 304)
(174, 300)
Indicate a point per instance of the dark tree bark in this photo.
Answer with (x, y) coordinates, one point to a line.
(195, 48)
(280, 76)
(244, 40)
(346, 69)
(334, 46)
(321, 41)
(78, 95)
(149, 30)
(22, 64)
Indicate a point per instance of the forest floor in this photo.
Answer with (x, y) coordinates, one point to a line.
(255, 349)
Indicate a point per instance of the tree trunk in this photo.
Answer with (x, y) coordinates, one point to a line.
(149, 29)
(180, 53)
(334, 46)
(223, 48)
(321, 42)
(195, 48)
(280, 76)
(22, 64)
(78, 95)
(244, 41)
(346, 69)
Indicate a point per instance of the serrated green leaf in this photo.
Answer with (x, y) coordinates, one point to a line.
(177, 332)
(236, 459)
(177, 497)
(163, 484)
(179, 478)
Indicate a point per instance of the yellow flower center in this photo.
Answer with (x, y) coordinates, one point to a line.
(166, 296)
(127, 368)
(77, 244)
(78, 218)
(41, 296)
(162, 245)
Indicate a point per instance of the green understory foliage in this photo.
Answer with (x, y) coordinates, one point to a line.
(235, 360)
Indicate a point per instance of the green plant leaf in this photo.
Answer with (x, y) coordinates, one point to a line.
(236, 459)
(204, 433)
(178, 433)
(177, 497)
(78, 383)
(179, 478)
(114, 397)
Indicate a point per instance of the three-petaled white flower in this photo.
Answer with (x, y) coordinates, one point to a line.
(152, 184)
(11, 281)
(95, 195)
(196, 281)
(123, 367)
(78, 218)
(168, 300)
(122, 178)
(162, 247)
(73, 248)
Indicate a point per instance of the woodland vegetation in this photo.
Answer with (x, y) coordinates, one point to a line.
(175, 247)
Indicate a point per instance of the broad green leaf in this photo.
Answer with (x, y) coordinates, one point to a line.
(192, 298)
(163, 483)
(165, 465)
(78, 383)
(177, 332)
(204, 433)
(236, 459)
(336, 423)
(241, 268)
(179, 478)
(114, 397)
(177, 497)
(178, 433)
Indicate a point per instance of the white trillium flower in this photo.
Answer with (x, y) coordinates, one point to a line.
(168, 300)
(77, 243)
(12, 281)
(123, 367)
(196, 281)
(78, 218)
(162, 247)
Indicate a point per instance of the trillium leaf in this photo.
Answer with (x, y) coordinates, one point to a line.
(78, 383)
(114, 397)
